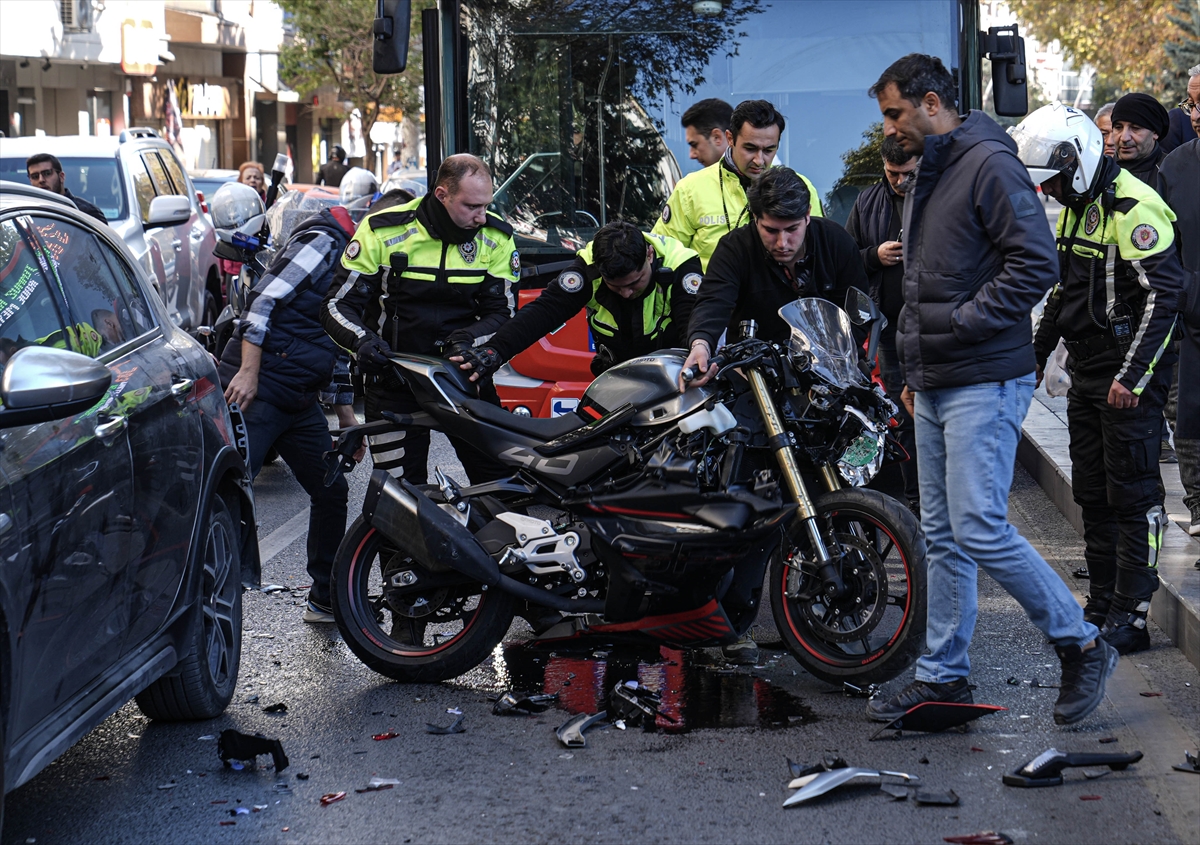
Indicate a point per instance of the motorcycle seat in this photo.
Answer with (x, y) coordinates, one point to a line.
(538, 428)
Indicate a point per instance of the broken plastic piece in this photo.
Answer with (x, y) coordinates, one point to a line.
(1150, 694)
(826, 764)
(508, 703)
(205, 738)
(234, 746)
(943, 798)
(331, 798)
(1046, 768)
(455, 727)
(811, 786)
(1095, 774)
(387, 735)
(570, 732)
(619, 724)
(454, 711)
(1107, 739)
(170, 785)
(983, 837)
(377, 784)
(1193, 764)
(274, 588)
(301, 775)
(634, 703)
(240, 811)
(934, 716)
(854, 691)
(280, 707)
(898, 791)
(1089, 797)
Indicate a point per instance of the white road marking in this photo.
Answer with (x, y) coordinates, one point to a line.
(283, 536)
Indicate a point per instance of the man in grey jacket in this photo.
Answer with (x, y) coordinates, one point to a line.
(978, 255)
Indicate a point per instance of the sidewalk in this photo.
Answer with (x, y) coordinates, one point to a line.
(1176, 605)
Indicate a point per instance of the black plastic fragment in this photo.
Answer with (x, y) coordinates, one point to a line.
(279, 707)
(898, 791)
(455, 727)
(509, 703)
(635, 703)
(234, 745)
(825, 765)
(941, 798)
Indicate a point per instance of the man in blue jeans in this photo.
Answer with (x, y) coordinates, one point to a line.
(978, 256)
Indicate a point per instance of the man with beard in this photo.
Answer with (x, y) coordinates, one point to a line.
(1138, 121)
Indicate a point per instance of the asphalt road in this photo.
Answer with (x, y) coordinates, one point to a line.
(507, 779)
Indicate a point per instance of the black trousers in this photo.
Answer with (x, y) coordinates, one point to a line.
(405, 453)
(1115, 478)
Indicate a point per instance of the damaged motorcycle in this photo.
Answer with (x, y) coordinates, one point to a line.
(649, 514)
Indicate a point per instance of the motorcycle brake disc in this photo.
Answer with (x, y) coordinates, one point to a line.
(864, 603)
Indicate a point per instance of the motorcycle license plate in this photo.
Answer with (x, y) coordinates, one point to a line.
(861, 451)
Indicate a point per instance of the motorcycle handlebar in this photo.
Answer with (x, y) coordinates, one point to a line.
(690, 374)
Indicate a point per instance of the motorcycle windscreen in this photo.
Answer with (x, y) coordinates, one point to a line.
(822, 331)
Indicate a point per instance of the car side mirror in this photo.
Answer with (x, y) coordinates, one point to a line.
(42, 383)
(168, 211)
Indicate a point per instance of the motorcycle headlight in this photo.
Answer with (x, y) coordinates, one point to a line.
(862, 458)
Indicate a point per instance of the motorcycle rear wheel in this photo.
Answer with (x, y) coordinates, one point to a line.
(434, 634)
(877, 630)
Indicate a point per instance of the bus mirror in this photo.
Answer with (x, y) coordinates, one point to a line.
(1006, 50)
(391, 36)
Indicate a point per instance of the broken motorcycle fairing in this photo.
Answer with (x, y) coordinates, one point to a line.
(668, 510)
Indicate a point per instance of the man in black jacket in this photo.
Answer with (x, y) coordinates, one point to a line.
(784, 254)
(45, 171)
(1138, 121)
(978, 256)
(876, 225)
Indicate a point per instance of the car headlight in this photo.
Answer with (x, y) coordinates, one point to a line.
(862, 458)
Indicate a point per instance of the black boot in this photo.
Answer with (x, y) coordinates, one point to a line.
(1096, 609)
(1125, 627)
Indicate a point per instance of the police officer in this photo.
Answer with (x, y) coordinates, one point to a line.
(1115, 308)
(710, 203)
(638, 290)
(420, 278)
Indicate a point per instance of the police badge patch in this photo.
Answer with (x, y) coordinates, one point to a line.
(1144, 236)
(468, 251)
(571, 281)
(352, 250)
(1092, 220)
(666, 215)
(514, 263)
(691, 282)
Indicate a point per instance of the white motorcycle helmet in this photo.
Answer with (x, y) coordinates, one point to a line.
(237, 209)
(358, 188)
(1060, 139)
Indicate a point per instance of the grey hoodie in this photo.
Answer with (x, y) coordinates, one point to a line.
(978, 256)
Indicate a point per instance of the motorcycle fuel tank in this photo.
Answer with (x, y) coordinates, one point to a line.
(650, 384)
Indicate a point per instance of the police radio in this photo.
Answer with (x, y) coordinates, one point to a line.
(1120, 323)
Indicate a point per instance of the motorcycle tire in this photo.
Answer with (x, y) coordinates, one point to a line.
(877, 630)
(454, 638)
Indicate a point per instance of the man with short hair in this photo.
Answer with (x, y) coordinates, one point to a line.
(1182, 122)
(331, 172)
(704, 126)
(638, 290)
(427, 277)
(1103, 122)
(45, 172)
(1138, 121)
(876, 224)
(978, 256)
(710, 203)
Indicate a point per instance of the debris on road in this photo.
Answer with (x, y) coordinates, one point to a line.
(279, 707)
(170, 785)
(1150, 694)
(508, 703)
(378, 784)
(455, 727)
(1193, 764)
(826, 764)
(854, 691)
(814, 785)
(1095, 774)
(935, 716)
(1046, 769)
(898, 791)
(273, 588)
(234, 746)
(570, 732)
(983, 837)
(331, 798)
(944, 798)
(385, 735)
(1089, 797)
(635, 703)
(1107, 739)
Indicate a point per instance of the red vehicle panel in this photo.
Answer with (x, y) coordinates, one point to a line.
(548, 378)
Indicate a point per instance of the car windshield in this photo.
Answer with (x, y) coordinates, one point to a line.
(97, 180)
(576, 106)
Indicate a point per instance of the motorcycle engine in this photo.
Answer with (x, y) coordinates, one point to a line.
(560, 558)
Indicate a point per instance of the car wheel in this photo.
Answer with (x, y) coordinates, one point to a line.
(204, 682)
(209, 318)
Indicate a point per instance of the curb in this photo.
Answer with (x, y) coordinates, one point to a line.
(1176, 605)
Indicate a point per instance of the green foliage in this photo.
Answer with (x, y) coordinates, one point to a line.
(1184, 49)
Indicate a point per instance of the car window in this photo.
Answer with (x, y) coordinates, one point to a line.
(142, 186)
(103, 304)
(158, 174)
(97, 180)
(176, 173)
(29, 314)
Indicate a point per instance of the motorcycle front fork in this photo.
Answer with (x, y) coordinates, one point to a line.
(781, 442)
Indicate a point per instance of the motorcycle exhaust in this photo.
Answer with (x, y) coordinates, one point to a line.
(425, 532)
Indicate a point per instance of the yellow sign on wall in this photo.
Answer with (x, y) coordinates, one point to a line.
(139, 48)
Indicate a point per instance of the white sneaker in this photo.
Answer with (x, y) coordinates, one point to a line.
(315, 614)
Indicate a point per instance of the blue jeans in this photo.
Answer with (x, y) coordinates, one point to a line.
(301, 438)
(966, 444)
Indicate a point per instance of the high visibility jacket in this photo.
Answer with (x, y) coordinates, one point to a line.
(708, 204)
(657, 319)
(1118, 260)
(440, 288)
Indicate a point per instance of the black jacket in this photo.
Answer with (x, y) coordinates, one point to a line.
(331, 173)
(1146, 168)
(978, 255)
(85, 206)
(743, 282)
(875, 219)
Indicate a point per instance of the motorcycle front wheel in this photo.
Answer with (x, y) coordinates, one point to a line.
(412, 633)
(876, 629)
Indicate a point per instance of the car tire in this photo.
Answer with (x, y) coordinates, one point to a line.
(203, 684)
(209, 318)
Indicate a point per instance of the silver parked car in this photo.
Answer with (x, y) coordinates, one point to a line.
(136, 180)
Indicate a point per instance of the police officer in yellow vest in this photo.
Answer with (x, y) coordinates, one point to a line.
(1115, 309)
(638, 290)
(423, 277)
(710, 203)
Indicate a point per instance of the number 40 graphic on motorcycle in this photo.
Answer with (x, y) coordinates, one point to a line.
(669, 510)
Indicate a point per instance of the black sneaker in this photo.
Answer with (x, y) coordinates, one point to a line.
(1084, 674)
(1125, 630)
(918, 692)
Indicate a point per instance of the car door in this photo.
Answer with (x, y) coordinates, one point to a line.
(70, 484)
(198, 243)
(156, 369)
(159, 258)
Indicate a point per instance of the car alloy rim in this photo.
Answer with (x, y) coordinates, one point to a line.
(220, 598)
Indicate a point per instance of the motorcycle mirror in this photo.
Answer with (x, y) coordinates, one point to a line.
(860, 307)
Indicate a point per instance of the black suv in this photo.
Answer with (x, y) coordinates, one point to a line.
(127, 526)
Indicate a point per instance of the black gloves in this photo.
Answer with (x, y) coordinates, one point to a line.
(603, 360)
(372, 353)
(484, 360)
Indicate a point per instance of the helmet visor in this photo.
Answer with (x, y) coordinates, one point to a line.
(233, 205)
(1043, 157)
